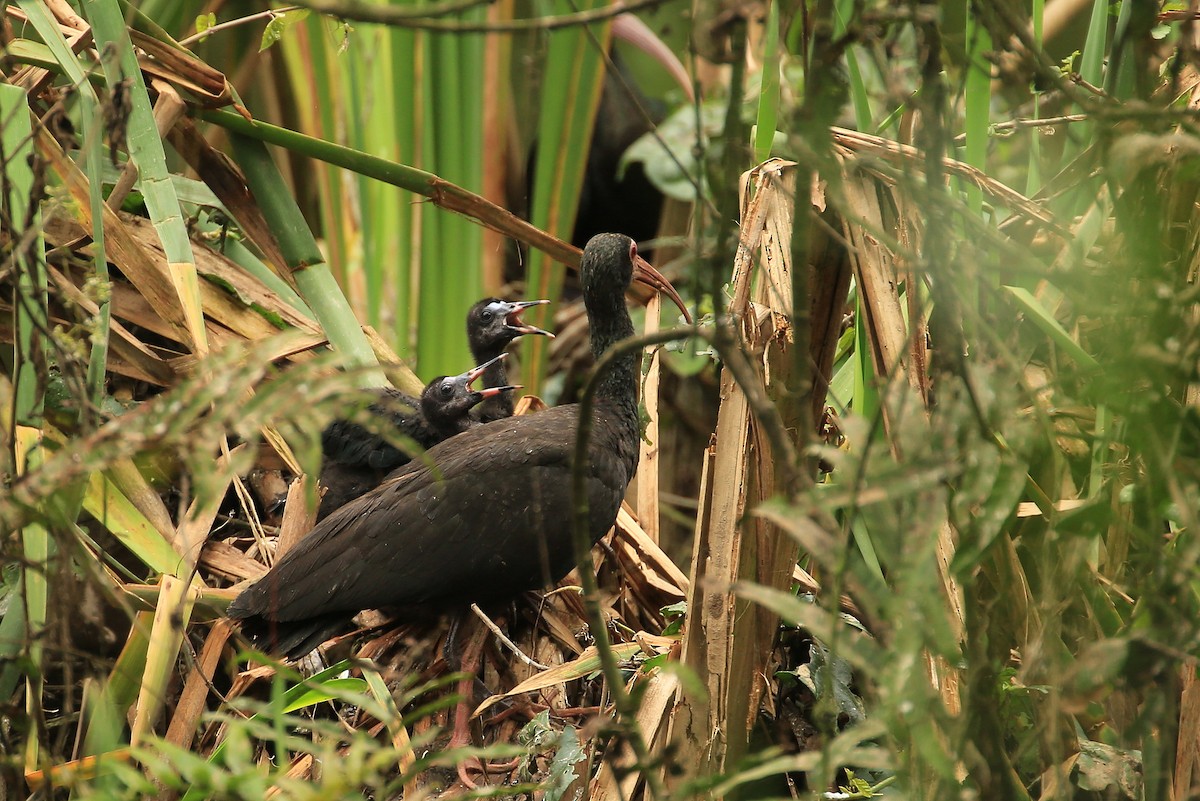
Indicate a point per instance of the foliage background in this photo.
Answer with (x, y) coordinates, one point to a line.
(978, 435)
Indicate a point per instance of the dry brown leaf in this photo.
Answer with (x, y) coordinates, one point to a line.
(76, 770)
(647, 473)
(301, 768)
(226, 181)
(726, 642)
(587, 663)
(856, 142)
(299, 515)
(230, 563)
(1187, 748)
(182, 69)
(125, 344)
(150, 276)
(631, 536)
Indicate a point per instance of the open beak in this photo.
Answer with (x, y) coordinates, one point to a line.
(514, 321)
(473, 374)
(643, 273)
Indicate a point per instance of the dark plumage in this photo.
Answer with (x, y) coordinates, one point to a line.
(358, 459)
(347, 443)
(485, 515)
(491, 325)
(447, 401)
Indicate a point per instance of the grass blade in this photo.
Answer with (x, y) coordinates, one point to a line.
(28, 388)
(316, 283)
(1051, 327)
(146, 151)
(52, 35)
(978, 105)
(574, 77)
(768, 95)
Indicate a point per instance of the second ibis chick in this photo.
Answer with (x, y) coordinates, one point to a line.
(447, 401)
(357, 459)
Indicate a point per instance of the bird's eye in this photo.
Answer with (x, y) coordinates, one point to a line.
(447, 390)
(486, 316)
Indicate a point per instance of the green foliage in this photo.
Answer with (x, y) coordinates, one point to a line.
(669, 154)
(350, 765)
(278, 26)
(564, 749)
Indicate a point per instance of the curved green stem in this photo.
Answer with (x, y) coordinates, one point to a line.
(626, 709)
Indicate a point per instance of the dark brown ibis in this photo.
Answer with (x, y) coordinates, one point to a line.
(356, 459)
(485, 515)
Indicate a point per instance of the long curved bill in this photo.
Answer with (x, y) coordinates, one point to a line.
(628, 28)
(643, 273)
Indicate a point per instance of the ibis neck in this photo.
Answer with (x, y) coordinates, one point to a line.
(618, 386)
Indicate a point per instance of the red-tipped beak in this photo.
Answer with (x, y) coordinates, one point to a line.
(493, 391)
(474, 373)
